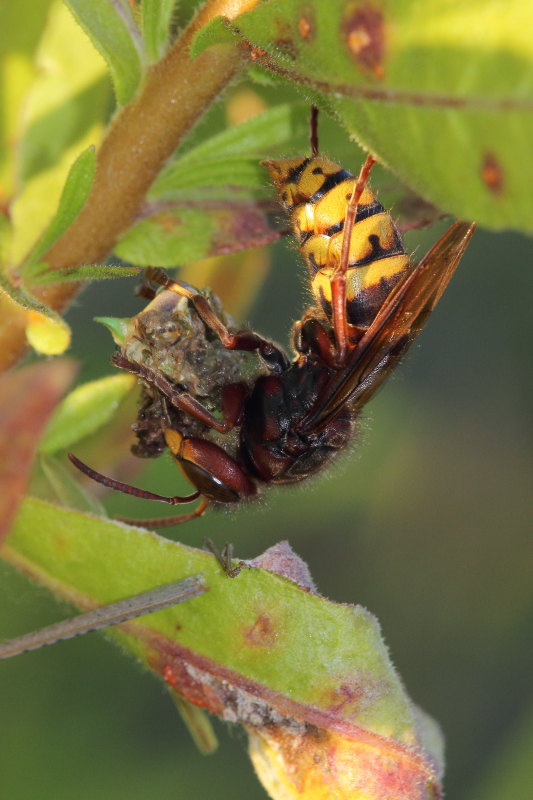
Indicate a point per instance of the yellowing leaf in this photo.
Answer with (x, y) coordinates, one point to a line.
(21, 25)
(47, 334)
(63, 115)
(46, 331)
(326, 765)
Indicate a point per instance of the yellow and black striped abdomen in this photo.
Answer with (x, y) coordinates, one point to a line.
(315, 191)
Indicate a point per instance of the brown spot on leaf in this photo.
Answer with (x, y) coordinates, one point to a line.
(343, 696)
(352, 694)
(492, 173)
(284, 39)
(363, 31)
(287, 47)
(262, 633)
(306, 22)
(237, 228)
(168, 221)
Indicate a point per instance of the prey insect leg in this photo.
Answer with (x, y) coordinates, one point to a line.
(126, 488)
(167, 522)
(183, 400)
(245, 340)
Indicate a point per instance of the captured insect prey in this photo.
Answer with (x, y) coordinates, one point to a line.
(234, 410)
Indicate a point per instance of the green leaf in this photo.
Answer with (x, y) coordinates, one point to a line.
(120, 327)
(265, 636)
(275, 129)
(41, 275)
(85, 410)
(441, 94)
(232, 171)
(232, 157)
(46, 331)
(156, 16)
(112, 30)
(263, 649)
(215, 32)
(167, 238)
(75, 193)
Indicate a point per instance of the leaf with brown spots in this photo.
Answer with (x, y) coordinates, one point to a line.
(442, 95)
(311, 680)
(362, 31)
(492, 173)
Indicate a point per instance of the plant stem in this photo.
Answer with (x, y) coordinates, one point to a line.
(143, 135)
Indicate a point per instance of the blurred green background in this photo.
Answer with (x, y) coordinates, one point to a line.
(427, 523)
